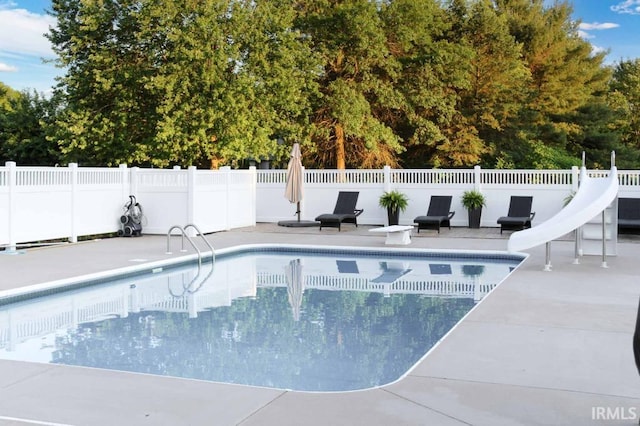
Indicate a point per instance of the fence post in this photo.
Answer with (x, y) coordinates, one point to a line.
(125, 186)
(73, 170)
(191, 197)
(386, 172)
(226, 172)
(133, 182)
(11, 182)
(477, 179)
(575, 175)
(254, 185)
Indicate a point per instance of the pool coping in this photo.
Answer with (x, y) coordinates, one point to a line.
(86, 280)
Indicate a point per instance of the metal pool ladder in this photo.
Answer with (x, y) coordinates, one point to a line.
(183, 232)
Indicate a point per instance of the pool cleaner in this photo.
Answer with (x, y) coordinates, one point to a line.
(131, 219)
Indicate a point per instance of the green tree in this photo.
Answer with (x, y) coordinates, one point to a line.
(497, 76)
(565, 76)
(179, 82)
(625, 95)
(598, 135)
(356, 83)
(432, 71)
(24, 117)
(6, 95)
(110, 114)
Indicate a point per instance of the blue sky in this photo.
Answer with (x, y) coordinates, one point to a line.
(606, 24)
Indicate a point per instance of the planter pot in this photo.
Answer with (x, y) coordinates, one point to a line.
(472, 270)
(393, 216)
(474, 218)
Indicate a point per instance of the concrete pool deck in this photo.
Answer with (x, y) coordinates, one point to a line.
(544, 348)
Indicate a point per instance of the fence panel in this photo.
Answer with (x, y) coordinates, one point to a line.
(164, 196)
(99, 197)
(4, 205)
(629, 181)
(549, 189)
(241, 198)
(40, 204)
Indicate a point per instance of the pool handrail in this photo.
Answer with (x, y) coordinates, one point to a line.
(183, 233)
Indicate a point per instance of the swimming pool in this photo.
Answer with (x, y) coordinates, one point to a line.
(331, 319)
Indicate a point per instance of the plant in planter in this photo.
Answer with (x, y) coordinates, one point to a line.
(568, 198)
(395, 202)
(473, 201)
(472, 270)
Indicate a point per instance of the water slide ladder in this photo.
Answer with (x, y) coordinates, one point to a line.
(191, 288)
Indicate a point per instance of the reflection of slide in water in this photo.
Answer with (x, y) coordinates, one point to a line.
(592, 197)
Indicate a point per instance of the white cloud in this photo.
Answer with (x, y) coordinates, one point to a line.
(22, 32)
(585, 34)
(597, 26)
(628, 6)
(7, 4)
(7, 68)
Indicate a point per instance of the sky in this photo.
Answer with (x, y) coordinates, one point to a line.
(612, 25)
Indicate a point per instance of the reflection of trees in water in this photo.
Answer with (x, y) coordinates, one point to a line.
(353, 339)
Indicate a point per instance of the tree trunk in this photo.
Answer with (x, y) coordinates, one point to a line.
(340, 153)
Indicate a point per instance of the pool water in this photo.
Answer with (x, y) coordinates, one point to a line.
(299, 320)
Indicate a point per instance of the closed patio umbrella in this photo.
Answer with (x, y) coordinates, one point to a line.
(294, 190)
(295, 286)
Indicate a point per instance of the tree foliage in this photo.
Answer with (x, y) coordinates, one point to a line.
(433, 71)
(186, 82)
(625, 95)
(24, 117)
(359, 83)
(356, 83)
(565, 76)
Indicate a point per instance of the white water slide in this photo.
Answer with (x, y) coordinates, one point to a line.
(592, 197)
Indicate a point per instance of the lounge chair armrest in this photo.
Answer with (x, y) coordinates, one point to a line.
(533, 214)
(451, 214)
(358, 212)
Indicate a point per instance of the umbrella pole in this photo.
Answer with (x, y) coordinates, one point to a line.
(298, 212)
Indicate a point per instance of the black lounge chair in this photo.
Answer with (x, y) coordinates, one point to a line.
(519, 216)
(344, 212)
(628, 213)
(347, 267)
(438, 214)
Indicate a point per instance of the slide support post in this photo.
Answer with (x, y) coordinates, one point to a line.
(576, 247)
(547, 263)
(604, 241)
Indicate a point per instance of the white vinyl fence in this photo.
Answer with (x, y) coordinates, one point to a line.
(549, 189)
(47, 203)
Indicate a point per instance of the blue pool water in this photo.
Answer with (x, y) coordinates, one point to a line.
(290, 319)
